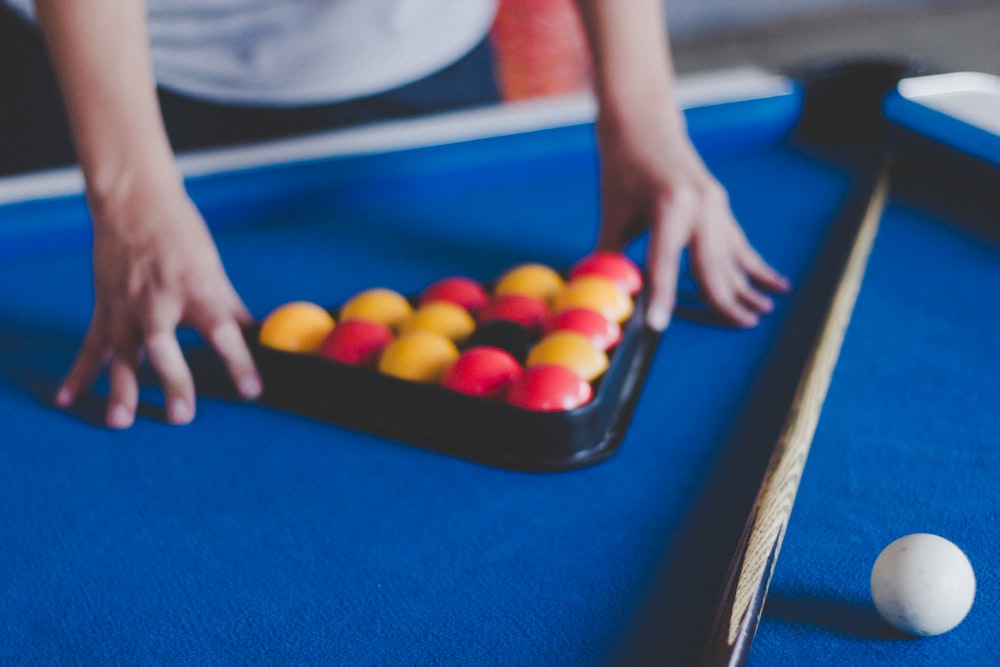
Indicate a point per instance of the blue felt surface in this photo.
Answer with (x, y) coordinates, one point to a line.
(253, 536)
(908, 442)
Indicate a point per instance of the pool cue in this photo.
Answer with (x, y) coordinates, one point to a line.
(749, 576)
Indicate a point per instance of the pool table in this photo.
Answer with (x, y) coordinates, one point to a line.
(259, 535)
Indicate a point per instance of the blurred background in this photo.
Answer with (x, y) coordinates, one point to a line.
(542, 52)
(949, 35)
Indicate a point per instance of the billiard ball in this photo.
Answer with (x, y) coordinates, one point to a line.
(614, 266)
(922, 584)
(356, 342)
(549, 388)
(419, 356)
(597, 293)
(378, 305)
(572, 350)
(482, 371)
(443, 317)
(298, 326)
(465, 292)
(535, 280)
(528, 311)
(599, 330)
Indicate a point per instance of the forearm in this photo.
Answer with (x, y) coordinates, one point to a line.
(632, 64)
(652, 176)
(101, 54)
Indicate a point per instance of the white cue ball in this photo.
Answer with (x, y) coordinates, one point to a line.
(923, 584)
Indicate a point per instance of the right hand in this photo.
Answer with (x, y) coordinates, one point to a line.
(156, 268)
(651, 172)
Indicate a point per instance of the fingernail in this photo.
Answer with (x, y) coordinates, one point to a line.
(250, 386)
(657, 319)
(64, 397)
(179, 411)
(119, 417)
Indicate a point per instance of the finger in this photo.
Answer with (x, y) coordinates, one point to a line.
(727, 298)
(751, 297)
(667, 240)
(164, 354)
(734, 309)
(93, 356)
(227, 340)
(761, 272)
(123, 396)
(241, 315)
(723, 286)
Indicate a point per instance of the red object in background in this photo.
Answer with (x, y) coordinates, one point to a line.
(540, 48)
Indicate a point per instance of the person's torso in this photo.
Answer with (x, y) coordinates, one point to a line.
(295, 52)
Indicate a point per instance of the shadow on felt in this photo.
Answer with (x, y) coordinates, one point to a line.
(855, 618)
(38, 354)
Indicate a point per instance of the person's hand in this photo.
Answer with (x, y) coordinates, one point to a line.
(156, 268)
(651, 174)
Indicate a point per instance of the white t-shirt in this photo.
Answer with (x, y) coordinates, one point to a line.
(294, 52)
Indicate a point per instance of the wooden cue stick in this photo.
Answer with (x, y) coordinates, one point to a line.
(753, 565)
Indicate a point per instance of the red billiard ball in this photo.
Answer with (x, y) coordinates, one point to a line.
(614, 266)
(602, 332)
(548, 388)
(482, 371)
(356, 342)
(528, 311)
(464, 292)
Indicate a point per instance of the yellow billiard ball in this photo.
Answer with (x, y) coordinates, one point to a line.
(298, 326)
(378, 304)
(571, 350)
(596, 293)
(442, 317)
(535, 280)
(419, 356)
